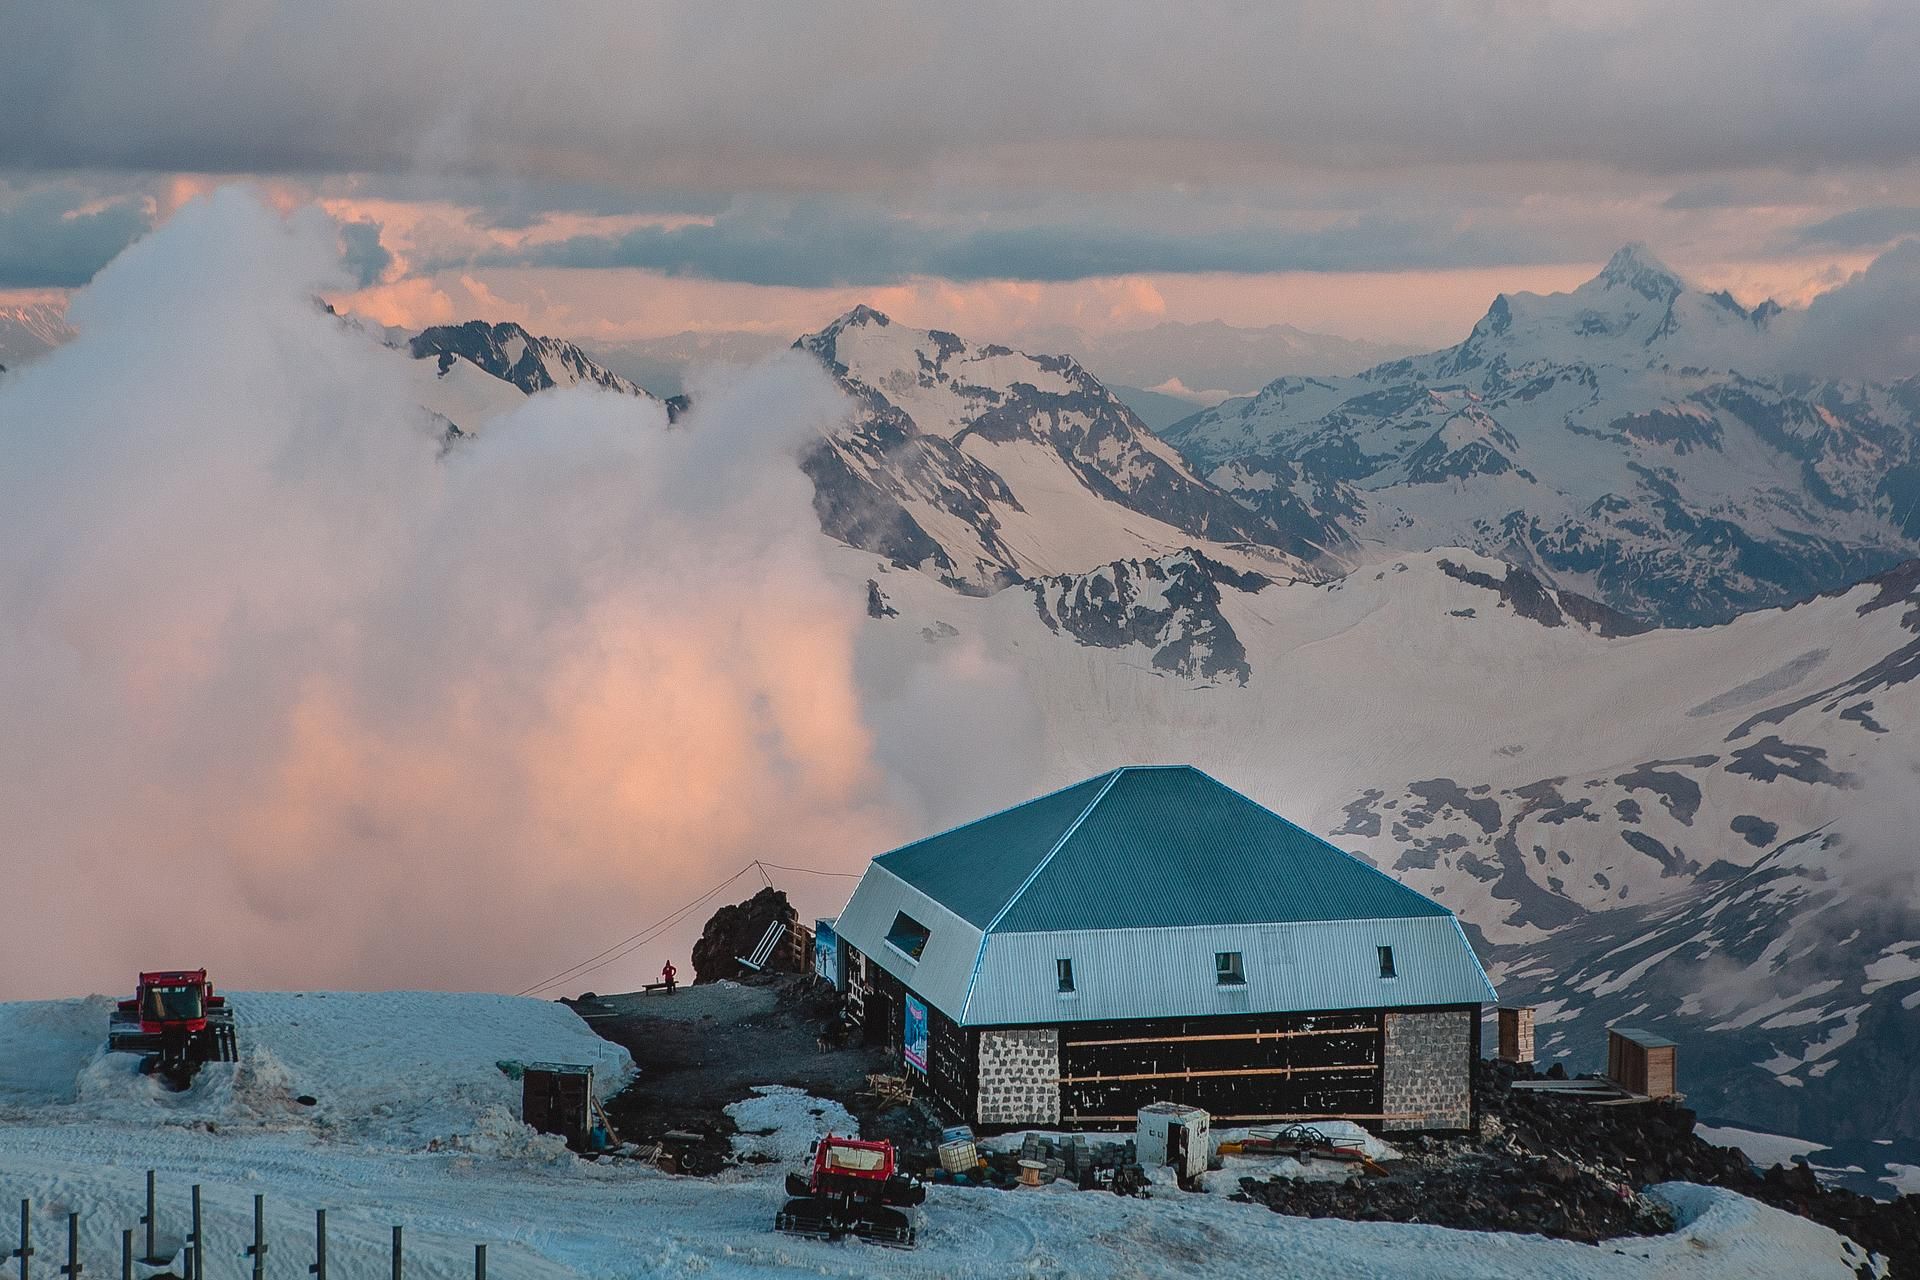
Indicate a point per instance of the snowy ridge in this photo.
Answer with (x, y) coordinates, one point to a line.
(1625, 440)
(28, 330)
(986, 466)
(510, 353)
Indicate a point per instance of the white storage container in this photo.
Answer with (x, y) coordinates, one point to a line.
(1171, 1135)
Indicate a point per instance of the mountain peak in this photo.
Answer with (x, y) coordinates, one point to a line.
(1633, 266)
(862, 314)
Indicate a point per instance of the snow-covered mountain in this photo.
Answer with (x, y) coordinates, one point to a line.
(529, 362)
(29, 330)
(987, 466)
(1625, 440)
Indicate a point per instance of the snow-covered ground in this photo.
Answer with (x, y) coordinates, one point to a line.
(411, 1127)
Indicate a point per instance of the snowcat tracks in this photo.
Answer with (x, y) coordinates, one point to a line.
(817, 1221)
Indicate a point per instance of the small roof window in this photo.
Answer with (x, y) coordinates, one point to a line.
(908, 935)
(1228, 970)
(1065, 970)
(1386, 961)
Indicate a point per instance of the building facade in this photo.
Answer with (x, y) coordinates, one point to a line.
(1151, 935)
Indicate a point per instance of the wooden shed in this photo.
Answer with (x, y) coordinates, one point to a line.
(1516, 1033)
(557, 1097)
(1641, 1062)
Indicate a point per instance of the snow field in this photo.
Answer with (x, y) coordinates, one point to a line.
(415, 1126)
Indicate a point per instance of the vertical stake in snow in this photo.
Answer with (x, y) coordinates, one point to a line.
(25, 1251)
(396, 1253)
(479, 1262)
(126, 1254)
(196, 1251)
(319, 1264)
(258, 1249)
(150, 1222)
(73, 1268)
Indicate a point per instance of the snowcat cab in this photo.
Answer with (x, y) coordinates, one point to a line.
(850, 1191)
(177, 1021)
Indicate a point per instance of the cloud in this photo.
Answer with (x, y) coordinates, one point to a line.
(1867, 327)
(362, 253)
(825, 244)
(57, 235)
(1861, 228)
(838, 96)
(298, 691)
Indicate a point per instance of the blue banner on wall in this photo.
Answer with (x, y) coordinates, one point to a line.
(915, 1036)
(826, 952)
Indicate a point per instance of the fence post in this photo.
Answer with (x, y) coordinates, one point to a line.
(150, 1221)
(479, 1262)
(258, 1249)
(396, 1253)
(196, 1247)
(319, 1264)
(25, 1251)
(126, 1254)
(73, 1268)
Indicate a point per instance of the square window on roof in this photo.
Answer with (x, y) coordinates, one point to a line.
(1228, 970)
(908, 935)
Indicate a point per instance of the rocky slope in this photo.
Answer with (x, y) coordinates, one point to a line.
(1626, 440)
(511, 354)
(986, 466)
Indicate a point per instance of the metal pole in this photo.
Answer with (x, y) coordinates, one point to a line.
(258, 1249)
(196, 1247)
(126, 1254)
(72, 1269)
(479, 1262)
(25, 1251)
(319, 1264)
(396, 1253)
(150, 1220)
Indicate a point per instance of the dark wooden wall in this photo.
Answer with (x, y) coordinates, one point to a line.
(1251, 1067)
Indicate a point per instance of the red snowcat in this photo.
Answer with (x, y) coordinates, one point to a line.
(852, 1190)
(176, 1020)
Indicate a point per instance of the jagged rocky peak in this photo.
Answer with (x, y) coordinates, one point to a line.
(509, 352)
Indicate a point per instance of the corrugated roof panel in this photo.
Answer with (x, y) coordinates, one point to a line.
(975, 869)
(1169, 972)
(945, 966)
(1170, 846)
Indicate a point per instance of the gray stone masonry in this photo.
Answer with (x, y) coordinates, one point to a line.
(1019, 1077)
(1427, 1070)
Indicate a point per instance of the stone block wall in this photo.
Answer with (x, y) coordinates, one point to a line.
(1019, 1077)
(1427, 1069)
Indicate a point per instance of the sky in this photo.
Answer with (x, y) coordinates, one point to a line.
(619, 171)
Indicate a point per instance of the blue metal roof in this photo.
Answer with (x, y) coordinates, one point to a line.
(975, 870)
(1146, 847)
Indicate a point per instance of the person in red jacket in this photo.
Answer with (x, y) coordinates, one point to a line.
(667, 972)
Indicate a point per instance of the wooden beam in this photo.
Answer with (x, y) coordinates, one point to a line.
(1307, 1117)
(1255, 1036)
(1236, 1071)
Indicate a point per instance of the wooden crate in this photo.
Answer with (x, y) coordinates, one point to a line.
(1516, 1033)
(1641, 1062)
(557, 1097)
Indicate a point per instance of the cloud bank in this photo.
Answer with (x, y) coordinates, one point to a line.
(297, 690)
